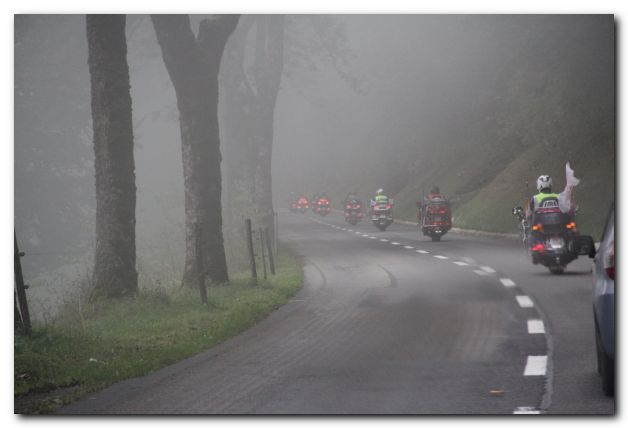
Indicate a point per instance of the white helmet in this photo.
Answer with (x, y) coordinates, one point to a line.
(379, 191)
(544, 182)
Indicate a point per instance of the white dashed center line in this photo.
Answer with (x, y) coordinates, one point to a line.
(441, 257)
(422, 251)
(487, 269)
(536, 327)
(526, 411)
(408, 247)
(373, 237)
(507, 282)
(536, 365)
(384, 240)
(525, 302)
(461, 263)
(395, 243)
(480, 272)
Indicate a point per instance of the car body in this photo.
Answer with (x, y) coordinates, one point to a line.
(604, 304)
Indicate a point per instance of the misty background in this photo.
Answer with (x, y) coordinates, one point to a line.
(478, 104)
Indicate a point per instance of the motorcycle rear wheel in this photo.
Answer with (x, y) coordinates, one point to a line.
(557, 270)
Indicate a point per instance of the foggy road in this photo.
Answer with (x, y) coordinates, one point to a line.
(392, 323)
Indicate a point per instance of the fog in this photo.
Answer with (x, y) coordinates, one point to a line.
(365, 101)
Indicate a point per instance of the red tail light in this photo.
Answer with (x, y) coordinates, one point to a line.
(538, 227)
(538, 247)
(388, 206)
(571, 225)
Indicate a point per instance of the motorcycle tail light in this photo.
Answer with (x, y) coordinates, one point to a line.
(571, 225)
(538, 227)
(538, 248)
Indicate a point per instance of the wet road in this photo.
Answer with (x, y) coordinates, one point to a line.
(392, 323)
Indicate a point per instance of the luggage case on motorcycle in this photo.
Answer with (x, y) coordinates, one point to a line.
(583, 245)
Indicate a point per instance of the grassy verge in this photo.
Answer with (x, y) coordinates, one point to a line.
(92, 350)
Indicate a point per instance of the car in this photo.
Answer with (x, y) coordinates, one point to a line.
(604, 304)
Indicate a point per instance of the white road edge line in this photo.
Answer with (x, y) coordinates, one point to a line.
(461, 263)
(507, 282)
(536, 365)
(441, 257)
(525, 301)
(536, 327)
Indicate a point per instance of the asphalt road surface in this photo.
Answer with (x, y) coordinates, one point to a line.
(392, 323)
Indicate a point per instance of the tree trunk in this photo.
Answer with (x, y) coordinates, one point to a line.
(115, 275)
(193, 67)
(249, 116)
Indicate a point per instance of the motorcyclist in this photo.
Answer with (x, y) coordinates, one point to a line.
(352, 195)
(545, 197)
(434, 193)
(380, 197)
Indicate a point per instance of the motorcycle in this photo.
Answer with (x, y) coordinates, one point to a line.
(381, 214)
(353, 211)
(434, 217)
(322, 206)
(552, 239)
(301, 205)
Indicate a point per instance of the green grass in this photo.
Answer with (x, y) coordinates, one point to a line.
(86, 352)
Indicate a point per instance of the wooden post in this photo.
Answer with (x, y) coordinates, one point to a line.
(276, 233)
(261, 244)
(21, 289)
(200, 262)
(249, 240)
(269, 247)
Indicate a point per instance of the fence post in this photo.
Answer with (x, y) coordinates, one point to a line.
(271, 260)
(21, 288)
(261, 244)
(249, 240)
(200, 263)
